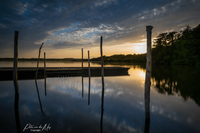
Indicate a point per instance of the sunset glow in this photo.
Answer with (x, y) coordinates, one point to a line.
(67, 26)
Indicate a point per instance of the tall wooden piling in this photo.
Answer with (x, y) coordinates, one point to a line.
(102, 69)
(89, 77)
(45, 73)
(148, 73)
(82, 58)
(15, 73)
(88, 63)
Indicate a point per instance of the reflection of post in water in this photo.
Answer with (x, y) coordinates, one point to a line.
(15, 77)
(147, 124)
(148, 73)
(39, 97)
(102, 96)
(89, 77)
(45, 75)
(17, 120)
(82, 86)
(102, 109)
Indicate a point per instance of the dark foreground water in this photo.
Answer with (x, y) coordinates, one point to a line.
(174, 102)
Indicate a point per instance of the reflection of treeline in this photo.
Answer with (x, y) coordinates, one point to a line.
(177, 47)
(179, 80)
(138, 58)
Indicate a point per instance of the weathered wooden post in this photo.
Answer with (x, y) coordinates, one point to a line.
(89, 77)
(45, 74)
(102, 69)
(148, 73)
(15, 78)
(82, 72)
(102, 76)
(88, 63)
(82, 59)
(15, 73)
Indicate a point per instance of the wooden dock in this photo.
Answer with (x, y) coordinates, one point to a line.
(6, 73)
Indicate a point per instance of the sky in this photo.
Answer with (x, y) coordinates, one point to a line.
(66, 26)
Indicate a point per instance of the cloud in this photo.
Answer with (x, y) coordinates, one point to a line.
(60, 23)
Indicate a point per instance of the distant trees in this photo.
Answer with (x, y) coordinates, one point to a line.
(177, 48)
(140, 58)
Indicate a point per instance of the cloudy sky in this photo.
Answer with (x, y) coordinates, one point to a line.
(66, 26)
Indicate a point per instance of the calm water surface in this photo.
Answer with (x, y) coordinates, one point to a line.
(174, 101)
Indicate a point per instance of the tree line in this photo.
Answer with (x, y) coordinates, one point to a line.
(177, 48)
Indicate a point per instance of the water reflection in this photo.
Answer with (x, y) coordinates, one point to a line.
(102, 103)
(17, 119)
(147, 125)
(82, 87)
(39, 97)
(102, 110)
(89, 92)
(123, 100)
(182, 81)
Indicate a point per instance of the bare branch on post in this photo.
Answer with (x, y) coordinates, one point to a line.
(38, 61)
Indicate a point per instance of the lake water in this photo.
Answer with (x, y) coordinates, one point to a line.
(174, 101)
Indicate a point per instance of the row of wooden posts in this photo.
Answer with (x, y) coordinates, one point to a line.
(147, 78)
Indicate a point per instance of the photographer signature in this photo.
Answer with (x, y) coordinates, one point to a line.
(34, 128)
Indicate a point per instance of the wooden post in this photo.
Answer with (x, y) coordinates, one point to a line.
(148, 73)
(45, 74)
(88, 63)
(82, 72)
(102, 69)
(82, 59)
(89, 77)
(102, 76)
(15, 74)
